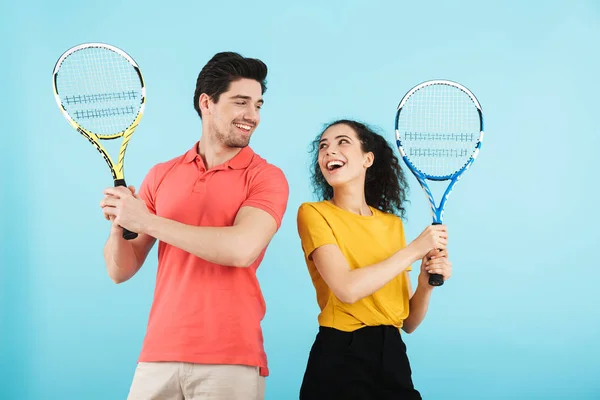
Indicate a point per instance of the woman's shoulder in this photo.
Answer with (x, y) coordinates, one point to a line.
(312, 207)
(385, 214)
(313, 204)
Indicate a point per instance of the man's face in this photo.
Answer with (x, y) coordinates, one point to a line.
(237, 114)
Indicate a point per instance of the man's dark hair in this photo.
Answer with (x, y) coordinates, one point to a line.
(224, 68)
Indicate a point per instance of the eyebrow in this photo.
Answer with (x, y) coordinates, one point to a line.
(242, 97)
(337, 137)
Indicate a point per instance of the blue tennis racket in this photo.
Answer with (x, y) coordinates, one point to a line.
(439, 130)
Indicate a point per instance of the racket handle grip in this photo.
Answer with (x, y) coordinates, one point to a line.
(127, 234)
(436, 279)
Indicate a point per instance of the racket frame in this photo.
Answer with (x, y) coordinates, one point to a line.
(437, 212)
(95, 139)
(115, 169)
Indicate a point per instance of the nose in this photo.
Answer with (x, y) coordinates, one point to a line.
(252, 115)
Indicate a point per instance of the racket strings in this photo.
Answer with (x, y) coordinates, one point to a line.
(98, 98)
(105, 112)
(100, 89)
(439, 127)
(438, 153)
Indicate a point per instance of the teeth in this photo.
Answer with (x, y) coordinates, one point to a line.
(334, 163)
(245, 127)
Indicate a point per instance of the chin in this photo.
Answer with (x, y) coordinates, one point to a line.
(238, 142)
(335, 181)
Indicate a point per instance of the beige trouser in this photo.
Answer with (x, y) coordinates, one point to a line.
(179, 381)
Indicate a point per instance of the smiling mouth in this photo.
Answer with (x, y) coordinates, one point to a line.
(335, 164)
(244, 127)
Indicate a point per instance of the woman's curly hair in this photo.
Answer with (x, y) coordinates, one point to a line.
(385, 184)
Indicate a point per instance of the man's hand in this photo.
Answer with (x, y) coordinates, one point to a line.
(125, 209)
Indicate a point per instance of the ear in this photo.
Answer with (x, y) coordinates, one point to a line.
(204, 102)
(369, 159)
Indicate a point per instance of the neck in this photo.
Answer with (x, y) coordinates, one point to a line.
(214, 153)
(351, 198)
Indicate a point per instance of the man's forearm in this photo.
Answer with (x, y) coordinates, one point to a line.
(120, 258)
(219, 245)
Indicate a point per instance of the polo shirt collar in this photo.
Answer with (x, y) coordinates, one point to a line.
(240, 161)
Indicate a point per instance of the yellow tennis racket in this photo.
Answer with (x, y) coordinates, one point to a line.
(100, 90)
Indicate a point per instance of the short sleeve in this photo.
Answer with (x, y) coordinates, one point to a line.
(313, 229)
(147, 190)
(269, 192)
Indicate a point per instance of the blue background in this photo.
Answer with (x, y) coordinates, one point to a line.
(518, 319)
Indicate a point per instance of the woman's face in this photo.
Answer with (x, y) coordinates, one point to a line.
(341, 157)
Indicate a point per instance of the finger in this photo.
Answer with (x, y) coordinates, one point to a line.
(106, 215)
(431, 253)
(439, 271)
(118, 191)
(439, 253)
(447, 272)
(109, 201)
(110, 211)
(440, 232)
(436, 261)
(440, 228)
(440, 246)
(132, 189)
(444, 269)
(430, 258)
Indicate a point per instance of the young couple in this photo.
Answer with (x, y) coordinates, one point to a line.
(214, 210)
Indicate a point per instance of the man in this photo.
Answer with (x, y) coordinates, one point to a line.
(214, 211)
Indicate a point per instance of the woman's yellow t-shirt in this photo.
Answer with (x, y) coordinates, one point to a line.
(363, 240)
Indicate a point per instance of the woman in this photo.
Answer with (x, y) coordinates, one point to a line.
(356, 253)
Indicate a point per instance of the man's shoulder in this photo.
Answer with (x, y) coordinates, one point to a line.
(260, 166)
(259, 161)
